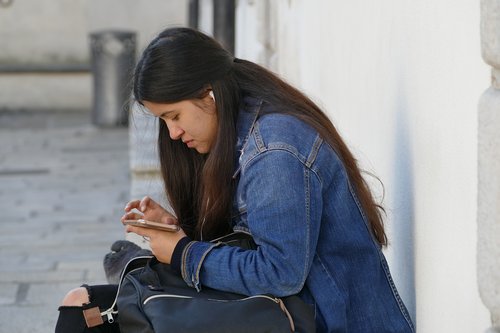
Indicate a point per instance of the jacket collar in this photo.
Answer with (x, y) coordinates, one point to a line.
(247, 116)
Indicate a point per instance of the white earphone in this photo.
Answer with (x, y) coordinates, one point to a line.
(211, 93)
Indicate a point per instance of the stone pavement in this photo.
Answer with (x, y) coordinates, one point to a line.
(63, 186)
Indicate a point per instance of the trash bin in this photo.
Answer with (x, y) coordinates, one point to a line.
(112, 63)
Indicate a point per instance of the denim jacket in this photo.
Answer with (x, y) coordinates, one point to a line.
(293, 196)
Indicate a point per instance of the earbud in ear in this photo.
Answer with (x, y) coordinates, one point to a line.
(211, 93)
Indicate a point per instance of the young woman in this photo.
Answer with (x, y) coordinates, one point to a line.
(241, 150)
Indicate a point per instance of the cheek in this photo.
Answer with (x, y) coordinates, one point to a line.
(212, 130)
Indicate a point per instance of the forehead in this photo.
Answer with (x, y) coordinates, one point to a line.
(158, 109)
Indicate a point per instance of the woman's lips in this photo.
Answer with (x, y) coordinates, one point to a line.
(189, 143)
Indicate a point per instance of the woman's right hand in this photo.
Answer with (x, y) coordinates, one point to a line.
(150, 209)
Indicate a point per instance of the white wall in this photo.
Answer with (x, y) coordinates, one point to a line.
(43, 31)
(56, 32)
(401, 80)
(147, 17)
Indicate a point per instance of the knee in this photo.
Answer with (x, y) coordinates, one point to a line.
(76, 297)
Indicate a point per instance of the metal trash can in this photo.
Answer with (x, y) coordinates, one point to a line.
(112, 63)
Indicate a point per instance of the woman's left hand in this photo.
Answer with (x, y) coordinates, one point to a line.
(162, 243)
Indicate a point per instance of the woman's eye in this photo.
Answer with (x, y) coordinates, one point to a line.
(169, 117)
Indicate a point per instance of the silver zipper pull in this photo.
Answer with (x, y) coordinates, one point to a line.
(109, 314)
(110, 317)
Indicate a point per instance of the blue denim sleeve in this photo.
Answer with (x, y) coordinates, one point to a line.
(283, 212)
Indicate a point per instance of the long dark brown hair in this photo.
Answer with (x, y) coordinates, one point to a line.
(180, 64)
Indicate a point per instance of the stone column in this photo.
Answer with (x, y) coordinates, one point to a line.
(144, 163)
(488, 215)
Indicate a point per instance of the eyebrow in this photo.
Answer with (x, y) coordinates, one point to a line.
(166, 113)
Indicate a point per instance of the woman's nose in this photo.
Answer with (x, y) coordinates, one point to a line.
(175, 132)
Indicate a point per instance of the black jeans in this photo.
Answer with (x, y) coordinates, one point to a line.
(71, 318)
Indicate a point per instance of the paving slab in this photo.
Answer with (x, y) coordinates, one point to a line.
(63, 186)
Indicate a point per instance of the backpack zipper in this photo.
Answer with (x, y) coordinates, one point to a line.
(111, 311)
(275, 300)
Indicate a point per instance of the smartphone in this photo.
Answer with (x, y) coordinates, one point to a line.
(152, 225)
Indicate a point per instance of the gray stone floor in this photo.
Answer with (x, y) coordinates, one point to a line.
(63, 186)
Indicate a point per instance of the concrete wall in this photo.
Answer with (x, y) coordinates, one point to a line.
(54, 33)
(488, 212)
(401, 80)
